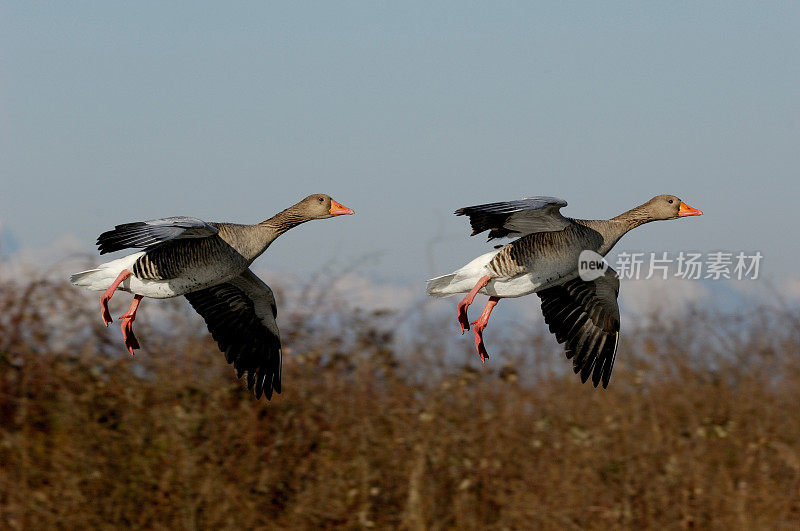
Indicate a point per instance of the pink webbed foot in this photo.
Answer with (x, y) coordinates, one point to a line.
(107, 294)
(463, 319)
(128, 336)
(479, 344)
(106, 315)
(480, 326)
(131, 342)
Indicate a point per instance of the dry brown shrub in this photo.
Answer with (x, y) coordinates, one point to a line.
(700, 426)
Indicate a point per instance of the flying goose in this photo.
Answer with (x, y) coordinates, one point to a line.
(208, 263)
(581, 312)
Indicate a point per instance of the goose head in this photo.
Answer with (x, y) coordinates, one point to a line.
(321, 206)
(668, 207)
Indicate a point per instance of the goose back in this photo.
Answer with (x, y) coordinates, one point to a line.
(553, 253)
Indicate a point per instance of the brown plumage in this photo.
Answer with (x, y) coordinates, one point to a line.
(209, 264)
(581, 312)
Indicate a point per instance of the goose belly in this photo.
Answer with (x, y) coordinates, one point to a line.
(525, 284)
(546, 271)
(192, 280)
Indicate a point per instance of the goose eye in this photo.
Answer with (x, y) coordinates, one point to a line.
(670, 201)
(321, 200)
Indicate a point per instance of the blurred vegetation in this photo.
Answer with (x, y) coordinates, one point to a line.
(700, 426)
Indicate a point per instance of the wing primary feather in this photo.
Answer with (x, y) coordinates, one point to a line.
(584, 315)
(240, 315)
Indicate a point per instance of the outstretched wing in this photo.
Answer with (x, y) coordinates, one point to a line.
(240, 315)
(516, 218)
(585, 316)
(149, 233)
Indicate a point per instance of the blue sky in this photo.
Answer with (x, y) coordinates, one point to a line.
(114, 112)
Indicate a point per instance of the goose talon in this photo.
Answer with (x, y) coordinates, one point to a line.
(463, 319)
(131, 343)
(106, 296)
(128, 336)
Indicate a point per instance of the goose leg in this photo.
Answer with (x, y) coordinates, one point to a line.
(480, 325)
(463, 320)
(106, 296)
(127, 325)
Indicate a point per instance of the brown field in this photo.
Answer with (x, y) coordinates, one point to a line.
(700, 426)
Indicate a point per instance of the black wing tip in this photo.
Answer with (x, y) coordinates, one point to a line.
(246, 345)
(107, 247)
(104, 245)
(267, 393)
(470, 210)
(599, 364)
(587, 361)
(118, 238)
(481, 222)
(104, 240)
(258, 385)
(265, 386)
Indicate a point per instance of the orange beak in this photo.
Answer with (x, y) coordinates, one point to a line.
(338, 209)
(686, 210)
